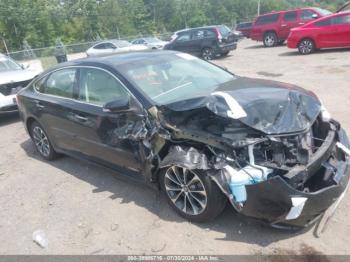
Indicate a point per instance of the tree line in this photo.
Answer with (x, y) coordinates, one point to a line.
(41, 22)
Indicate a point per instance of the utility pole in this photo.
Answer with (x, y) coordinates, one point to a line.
(4, 42)
(259, 2)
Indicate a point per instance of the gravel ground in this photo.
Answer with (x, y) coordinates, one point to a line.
(84, 209)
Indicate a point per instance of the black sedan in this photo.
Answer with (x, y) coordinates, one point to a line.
(199, 133)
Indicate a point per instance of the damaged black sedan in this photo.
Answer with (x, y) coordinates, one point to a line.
(200, 133)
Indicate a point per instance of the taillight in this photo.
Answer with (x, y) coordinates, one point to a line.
(218, 34)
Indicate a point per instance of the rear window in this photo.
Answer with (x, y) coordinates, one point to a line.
(267, 19)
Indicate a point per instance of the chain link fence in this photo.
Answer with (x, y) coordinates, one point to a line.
(46, 55)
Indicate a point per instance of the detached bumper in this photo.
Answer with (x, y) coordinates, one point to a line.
(274, 200)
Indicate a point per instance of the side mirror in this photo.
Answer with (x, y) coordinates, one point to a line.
(314, 16)
(121, 104)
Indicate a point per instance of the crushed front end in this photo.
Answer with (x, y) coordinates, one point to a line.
(303, 181)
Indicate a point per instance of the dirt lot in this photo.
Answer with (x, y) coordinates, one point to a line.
(85, 209)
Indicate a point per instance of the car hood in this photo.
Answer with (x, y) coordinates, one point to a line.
(268, 106)
(17, 76)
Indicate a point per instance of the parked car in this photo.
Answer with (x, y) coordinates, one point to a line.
(244, 28)
(150, 42)
(112, 47)
(202, 134)
(206, 42)
(329, 32)
(274, 28)
(13, 77)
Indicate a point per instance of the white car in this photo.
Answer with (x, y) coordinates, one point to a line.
(13, 77)
(113, 47)
(150, 42)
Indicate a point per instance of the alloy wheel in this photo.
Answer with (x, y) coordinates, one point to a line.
(306, 46)
(186, 190)
(270, 40)
(41, 141)
(207, 54)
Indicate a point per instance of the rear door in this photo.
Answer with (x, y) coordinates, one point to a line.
(53, 103)
(102, 136)
(289, 21)
(342, 28)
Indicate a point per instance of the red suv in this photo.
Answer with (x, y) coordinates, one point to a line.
(274, 28)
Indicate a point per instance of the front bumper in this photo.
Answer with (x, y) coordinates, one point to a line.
(271, 200)
(8, 104)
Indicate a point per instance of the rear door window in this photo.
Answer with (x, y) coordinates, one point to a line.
(100, 46)
(290, 16)
(198, 34)
(267, 19)
(61, 83)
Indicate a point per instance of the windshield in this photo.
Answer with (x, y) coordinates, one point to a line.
(122, 43)
(152, 40)
(171, 78)
(323, 12)
(7, 64)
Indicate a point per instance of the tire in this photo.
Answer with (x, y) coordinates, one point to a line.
(207, 53)
(203, 198)
(42, 142)
(270, 39)
(306, 46)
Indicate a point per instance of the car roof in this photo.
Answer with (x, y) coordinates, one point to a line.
(285, 11)
(197, 28)
(113, 60)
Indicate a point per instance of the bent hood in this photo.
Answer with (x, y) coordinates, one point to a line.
(20, 75)
(268, 106)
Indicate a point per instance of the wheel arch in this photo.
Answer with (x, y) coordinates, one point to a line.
(307, 38)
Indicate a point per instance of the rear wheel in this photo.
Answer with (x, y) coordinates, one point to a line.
(42, 142)
(207, 53)
(192, 193)
(306, 46)
(270, 39)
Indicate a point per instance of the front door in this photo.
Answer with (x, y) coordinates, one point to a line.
(110, 138)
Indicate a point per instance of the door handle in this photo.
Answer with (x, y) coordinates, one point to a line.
(80, 118)
(301, 23)
(39, 105)
(283, 25)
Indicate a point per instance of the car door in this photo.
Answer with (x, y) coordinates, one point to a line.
(183, 43)
(289, 21)
(198, 41)
(307, 15)
(342, 29)
(327, 33)
(53, 104)
(106, 137)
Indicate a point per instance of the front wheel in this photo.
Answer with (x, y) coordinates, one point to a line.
(225, 53)
(306, 47)
(192, 193)
(42, 142)
(207, 53)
